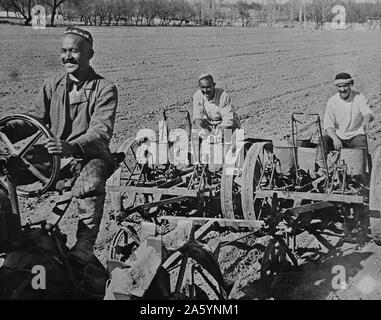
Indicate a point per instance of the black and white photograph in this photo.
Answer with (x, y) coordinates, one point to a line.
(192, 150)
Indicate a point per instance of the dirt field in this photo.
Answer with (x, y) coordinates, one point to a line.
(268, 73)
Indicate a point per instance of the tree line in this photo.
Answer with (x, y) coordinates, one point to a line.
(200, 12)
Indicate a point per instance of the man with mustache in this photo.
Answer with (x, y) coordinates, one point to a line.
(346, 118)
(79, 107)
(212, 109)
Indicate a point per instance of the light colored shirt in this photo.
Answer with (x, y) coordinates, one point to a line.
(346, 116)
(220, 108)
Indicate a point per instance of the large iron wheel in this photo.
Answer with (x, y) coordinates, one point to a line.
(30, 152)
(129, 173)
(257, 158)
(124, 242)
(231, 181)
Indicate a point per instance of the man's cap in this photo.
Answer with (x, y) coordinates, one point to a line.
(80, 32)
(205, 76)
(343, 78)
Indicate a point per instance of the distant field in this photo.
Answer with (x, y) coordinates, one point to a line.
(269, 73)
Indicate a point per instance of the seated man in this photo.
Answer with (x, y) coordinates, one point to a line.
(213, 111)
(79, 107)
(346, 118)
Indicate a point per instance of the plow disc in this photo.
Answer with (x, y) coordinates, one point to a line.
(276, 259)
(198, 276)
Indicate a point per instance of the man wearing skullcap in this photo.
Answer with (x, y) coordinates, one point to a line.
(212, 110)
(347, 116)
(79, 107)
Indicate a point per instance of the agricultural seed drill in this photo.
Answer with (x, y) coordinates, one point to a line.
(276, 190)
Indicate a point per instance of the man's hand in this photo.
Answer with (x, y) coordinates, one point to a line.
(366, 127)
(367, 119)
(336, 140)
(337, 143)
(60, 147)
(198, 124)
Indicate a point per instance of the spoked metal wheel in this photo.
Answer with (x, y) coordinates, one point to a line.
(129, 173)
(231, 181)
(34, 168)
(375, 198)
(124, 242)
(276, 259)
(195, 275)
(257, 159)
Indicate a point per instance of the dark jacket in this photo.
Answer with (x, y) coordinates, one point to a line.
(93, 124)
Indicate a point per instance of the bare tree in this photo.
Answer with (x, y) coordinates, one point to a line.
(120, 10)
(128, 11)
(197, 7)
(243, 11)
(110, 15)
(116, 11)
(6, 5)
(321, 10)
(165, 12)
(54, 5)
(85, 10)
(70, 11)
(138, 11)
(182, 11)
(93, 12)
(220, 13)
(150, 10)
(24, 7)
(101, 10)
